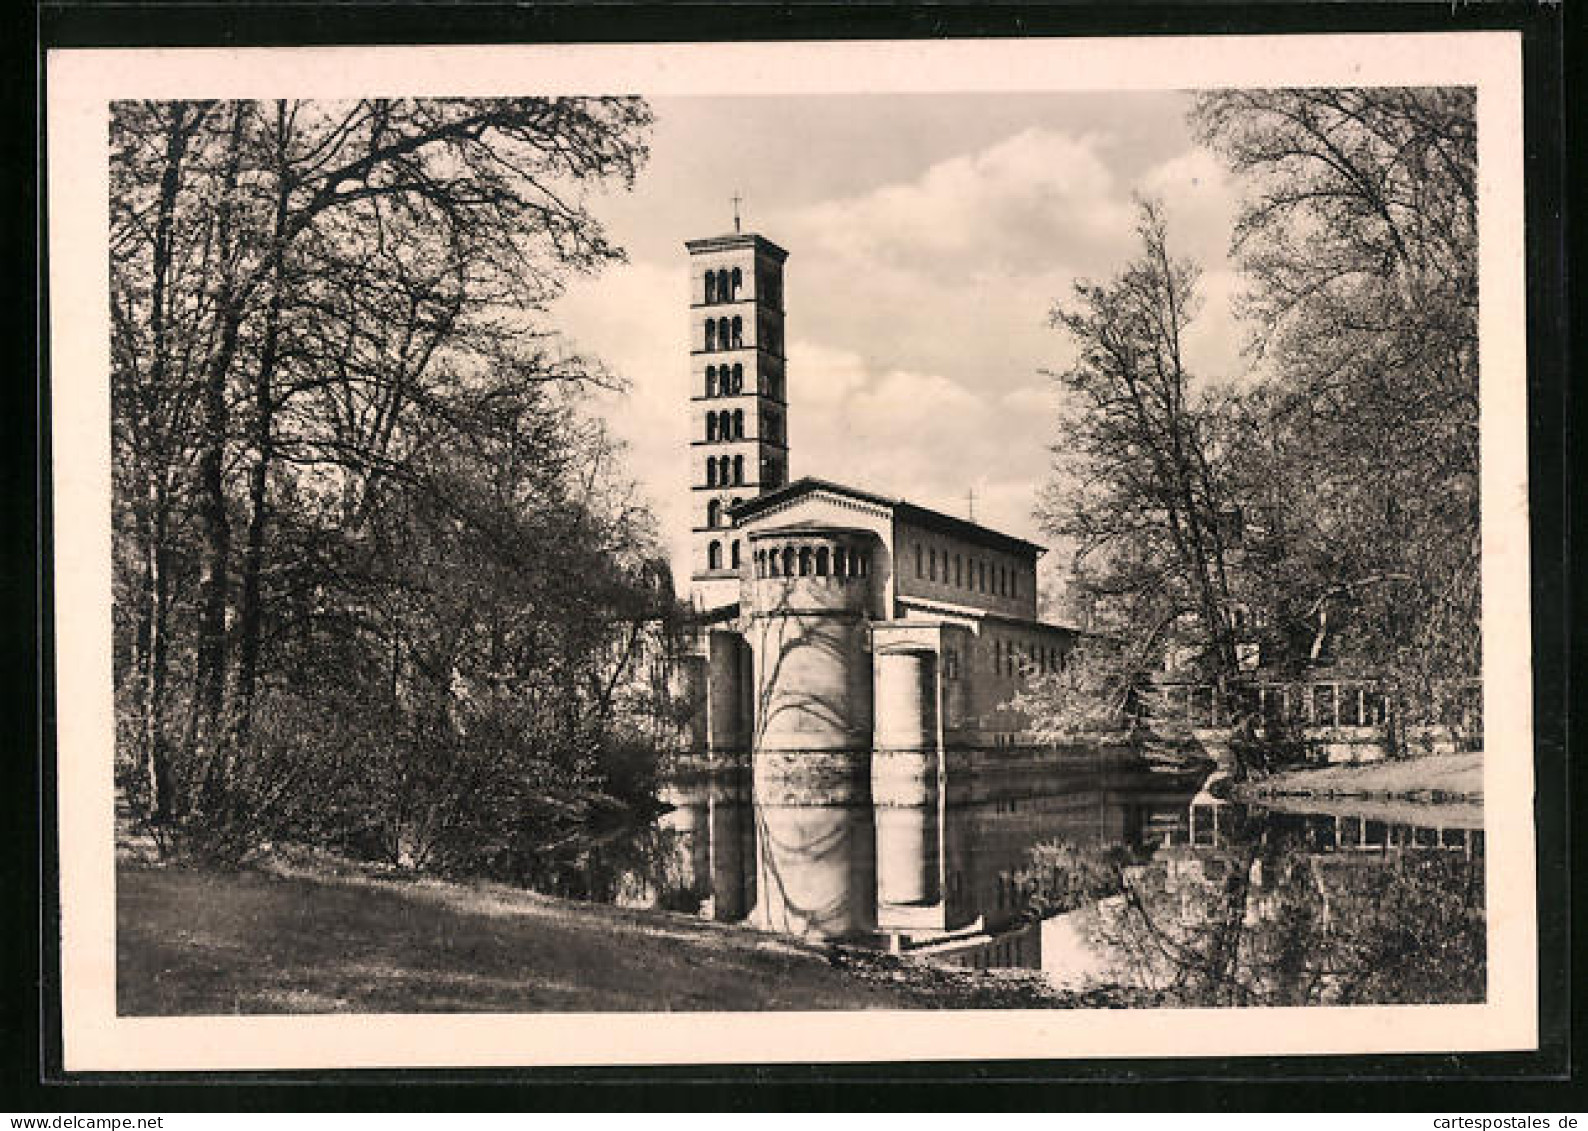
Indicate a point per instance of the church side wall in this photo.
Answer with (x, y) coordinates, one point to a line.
(993, 667)
(939, 566)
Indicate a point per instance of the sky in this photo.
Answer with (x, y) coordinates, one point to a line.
(928, 238)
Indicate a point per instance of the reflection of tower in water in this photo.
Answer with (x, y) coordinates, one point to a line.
(714, 847)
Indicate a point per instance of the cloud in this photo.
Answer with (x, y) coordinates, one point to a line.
(918, 297)
(824, 377)
(1011, 207)
(955, 269)
(633, 318)
(1031, 400)
(1214, 341)
(1199, 201)
(917, 435)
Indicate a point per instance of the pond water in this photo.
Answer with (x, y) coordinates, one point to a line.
(1098, 867)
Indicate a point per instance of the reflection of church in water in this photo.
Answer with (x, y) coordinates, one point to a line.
(853, 662)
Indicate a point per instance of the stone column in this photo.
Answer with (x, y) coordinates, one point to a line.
(904, 785)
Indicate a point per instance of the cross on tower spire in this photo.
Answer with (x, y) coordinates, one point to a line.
(736, 201)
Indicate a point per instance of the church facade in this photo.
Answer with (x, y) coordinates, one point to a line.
(851, 649)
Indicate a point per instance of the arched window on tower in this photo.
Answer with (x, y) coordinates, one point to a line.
(738, 379)
(772, 568)
(821, 561)
(724, 341)
(714, 513)
(723, 293)
(788, 561)
(711, 286)
(738, 332)
(711, 473)
(725, 472)
(805, 561)
(711, 334)
(931, 563)
(714, 555)
(711, 426)
(738, 424)
(738, 470)
(711, 380)
(733, 554)
(738, 281)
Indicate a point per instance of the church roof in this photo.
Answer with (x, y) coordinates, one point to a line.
(807, 527)
(901, 509)
(735, 240)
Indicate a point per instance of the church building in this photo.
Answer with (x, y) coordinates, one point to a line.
(852, 648)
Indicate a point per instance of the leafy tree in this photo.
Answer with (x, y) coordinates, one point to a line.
(1330, 510)
(1358, 234)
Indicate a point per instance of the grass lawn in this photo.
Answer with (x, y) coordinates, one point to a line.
(199, 942)
(1450, 775)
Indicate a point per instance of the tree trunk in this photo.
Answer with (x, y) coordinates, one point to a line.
(214, 522)
(249, 614)
(153, 754)
(155, 759)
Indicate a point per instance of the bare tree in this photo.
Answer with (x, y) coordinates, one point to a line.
(1139, 488)
(271, 262)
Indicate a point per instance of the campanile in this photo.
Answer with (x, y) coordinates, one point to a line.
(738, 399)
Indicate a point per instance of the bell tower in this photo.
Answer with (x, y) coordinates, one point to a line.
(738, 400)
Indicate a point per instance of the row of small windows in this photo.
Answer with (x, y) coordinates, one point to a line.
(725, 471)
(717, 514)
(812, 562)
(728, 381)
(723, 285)
(974, 574)
(724, 333)
(725, 425)
(714, 555)
(1009, 658)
